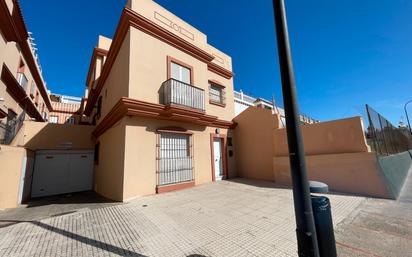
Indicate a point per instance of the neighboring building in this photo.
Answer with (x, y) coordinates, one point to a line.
(162, 101)
(66, 109)
(23, 92)
(243, 101)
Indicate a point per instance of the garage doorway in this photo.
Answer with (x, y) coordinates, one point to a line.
(62, 171)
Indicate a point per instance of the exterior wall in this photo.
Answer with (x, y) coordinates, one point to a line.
(11, 159)
(159, 15)
(109, 172)
(140, 154)
(336, 153)
(254, 146)
(117, 83)
(337, 136)
(148, 70)
(354, 173)
(64, 111)
(395, 169)
(41, 135)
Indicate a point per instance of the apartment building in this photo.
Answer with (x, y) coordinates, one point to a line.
(244, 101)
(66, 109)
(161, 99)
(23, 92)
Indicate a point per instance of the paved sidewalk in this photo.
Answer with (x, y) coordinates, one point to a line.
(379, 227)
(227, 218)
(52, 206)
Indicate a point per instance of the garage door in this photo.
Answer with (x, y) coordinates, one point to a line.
(60, 172)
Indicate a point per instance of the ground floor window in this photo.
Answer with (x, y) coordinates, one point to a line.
(175, 158)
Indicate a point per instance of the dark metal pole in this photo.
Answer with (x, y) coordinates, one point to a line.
(407, 117)
(305, 224)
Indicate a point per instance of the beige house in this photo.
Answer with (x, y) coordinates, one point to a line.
(162, 101)
(23, 93)
(65, 110)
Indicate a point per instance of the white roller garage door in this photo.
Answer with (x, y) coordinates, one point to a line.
(60, 172)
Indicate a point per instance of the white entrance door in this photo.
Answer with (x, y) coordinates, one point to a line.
(217, 152)
(60, 172)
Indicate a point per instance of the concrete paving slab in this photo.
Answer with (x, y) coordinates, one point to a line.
(227, 218)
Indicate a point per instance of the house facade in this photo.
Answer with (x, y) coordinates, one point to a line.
(161, 100)
(66, 109)
(23, 93)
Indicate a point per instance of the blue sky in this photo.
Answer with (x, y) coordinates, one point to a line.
(346, 53)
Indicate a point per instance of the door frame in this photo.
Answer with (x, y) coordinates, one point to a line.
(223, 140)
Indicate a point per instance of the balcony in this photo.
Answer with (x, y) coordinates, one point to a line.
(174, 92)
(22, 79)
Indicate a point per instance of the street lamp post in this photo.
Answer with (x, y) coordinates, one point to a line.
(305, 224)
(407, 117)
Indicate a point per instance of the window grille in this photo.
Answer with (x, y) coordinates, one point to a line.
(174, 158)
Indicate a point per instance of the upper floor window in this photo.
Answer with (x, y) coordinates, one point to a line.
(22, 80)
(216, 94)
(32, 88)
(179, 71)
(54, 119)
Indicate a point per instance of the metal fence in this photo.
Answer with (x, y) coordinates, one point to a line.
(180, 93)
(383, 137)
(11, 128)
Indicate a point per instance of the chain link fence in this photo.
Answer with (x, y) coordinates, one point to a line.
(383, 137)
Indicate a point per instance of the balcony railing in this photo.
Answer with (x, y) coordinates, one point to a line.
(179, 93)
(22, 79)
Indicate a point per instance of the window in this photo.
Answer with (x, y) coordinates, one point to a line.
(45, 116)
(54, 119)
(180, 73)
(216, 94)
(22, 80)
(70, 120)
(32, 88)
(179, 70)
(175, 158)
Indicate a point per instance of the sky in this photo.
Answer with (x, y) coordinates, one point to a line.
(346, 53)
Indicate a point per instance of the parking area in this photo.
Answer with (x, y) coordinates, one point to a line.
(227, 218)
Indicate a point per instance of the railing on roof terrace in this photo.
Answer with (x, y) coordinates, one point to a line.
(180, 93)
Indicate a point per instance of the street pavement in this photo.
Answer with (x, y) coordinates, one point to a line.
(227, 218)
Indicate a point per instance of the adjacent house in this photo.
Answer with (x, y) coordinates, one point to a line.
(161, 99)
(66, 109)
(23, 92)
(244, 101)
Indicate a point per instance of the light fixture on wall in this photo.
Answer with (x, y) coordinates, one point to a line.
(217, 131)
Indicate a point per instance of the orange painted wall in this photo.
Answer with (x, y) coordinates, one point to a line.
(336, 153)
